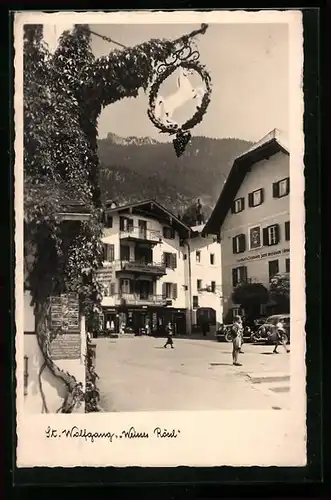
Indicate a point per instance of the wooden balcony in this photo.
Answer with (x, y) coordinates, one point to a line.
(140, 267)
(138, 235)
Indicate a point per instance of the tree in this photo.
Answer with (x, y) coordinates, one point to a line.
(63, 97)
(250, 296)
(279, 288)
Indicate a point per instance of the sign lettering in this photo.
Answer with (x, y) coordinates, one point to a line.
(264, 255)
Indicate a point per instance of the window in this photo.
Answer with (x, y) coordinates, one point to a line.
(168, 233)
(142, 224)
(239, 275)
(126, 286)
(271, 235)
(198, 257)
(287, 231)
(212, 259)
(199, 285)
(273, 268)
(256, 198)
(287, 265)
(108, 221)
(108, 253)
(239, 243)
(255, 237)
(170, 260)
(238, 205)
(170, 290)
(213, 286)
(195, 301)
(125, 252)
(126, 224)
(281, 188)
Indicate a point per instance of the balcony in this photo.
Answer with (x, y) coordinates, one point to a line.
(143, 236)
(140, 267)
(139, 299)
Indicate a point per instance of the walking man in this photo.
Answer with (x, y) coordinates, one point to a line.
(280, 331)
(169, 336)
(236, 339)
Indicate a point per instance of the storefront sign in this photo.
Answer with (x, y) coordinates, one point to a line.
(105, 275)
(264, 255)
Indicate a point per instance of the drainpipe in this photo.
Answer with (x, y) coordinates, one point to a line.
(189, 284)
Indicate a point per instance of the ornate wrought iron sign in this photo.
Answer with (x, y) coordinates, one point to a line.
(185, 62)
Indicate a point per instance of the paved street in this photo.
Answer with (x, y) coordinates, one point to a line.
(137, 374)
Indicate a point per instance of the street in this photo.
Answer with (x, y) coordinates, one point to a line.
(138, 374)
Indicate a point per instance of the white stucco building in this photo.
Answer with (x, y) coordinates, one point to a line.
(150, 272)
(252, 217)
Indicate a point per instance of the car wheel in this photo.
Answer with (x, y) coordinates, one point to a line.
(228, 337)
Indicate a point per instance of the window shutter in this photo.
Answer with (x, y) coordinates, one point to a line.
(250, 199)
(164, 290)
(234, 246)
(288, 185)
(275, 190)
(242, 243)
(111, 253)
(174, 261)
(130, 224)
(287, 230)
(164, 231)
(265, 236)
(243, 203)
(277, 234)
(243, 274)
(234, 277)
(104, 252)
(262, 195)
(112, 289)
(174, 291)
(233, 211)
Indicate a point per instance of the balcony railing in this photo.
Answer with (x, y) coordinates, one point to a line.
(136, 233)
(136, 299)
(137, 266)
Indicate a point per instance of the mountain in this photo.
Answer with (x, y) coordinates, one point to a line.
(133, 169)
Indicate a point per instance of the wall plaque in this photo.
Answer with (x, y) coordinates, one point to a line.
(66, 345)
(65, 322)
(65, 312)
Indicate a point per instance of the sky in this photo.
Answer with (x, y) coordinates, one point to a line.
(249, 69)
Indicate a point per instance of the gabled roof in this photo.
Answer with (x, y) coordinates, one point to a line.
(269, 145)
(153, 209)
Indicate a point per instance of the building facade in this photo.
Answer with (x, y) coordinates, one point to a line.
(147, 270)
(206, 280)
(253, 219)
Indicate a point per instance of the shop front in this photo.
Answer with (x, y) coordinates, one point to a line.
(144, 320)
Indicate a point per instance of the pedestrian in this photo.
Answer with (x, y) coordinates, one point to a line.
(236, 331)
(241, 322)
(169, 336)
(280, 331)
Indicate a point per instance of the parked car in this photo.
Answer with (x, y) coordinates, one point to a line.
(272, 321)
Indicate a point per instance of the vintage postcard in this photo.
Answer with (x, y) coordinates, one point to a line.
(159, 212)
